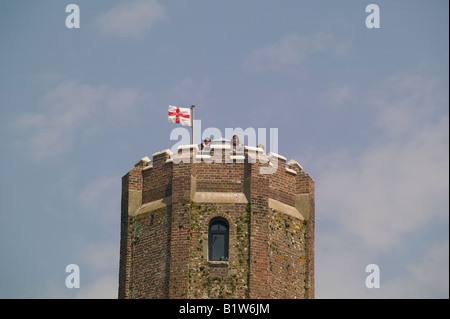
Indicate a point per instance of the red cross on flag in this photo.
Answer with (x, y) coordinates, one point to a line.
(179, 115)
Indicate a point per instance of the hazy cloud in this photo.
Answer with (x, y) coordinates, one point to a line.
(338, 95)
(103, 287)
(100, 199)
(72, 111)
(190, 90)
(385, 191)
(102, 260)
(373, 201)
(291, 52)
(426, 278)
(131, 19)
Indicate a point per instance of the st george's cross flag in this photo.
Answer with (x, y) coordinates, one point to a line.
(179, 115)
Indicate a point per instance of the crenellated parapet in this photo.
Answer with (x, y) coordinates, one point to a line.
(265, 203)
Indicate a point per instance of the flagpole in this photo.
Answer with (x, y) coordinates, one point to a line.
(192, 123)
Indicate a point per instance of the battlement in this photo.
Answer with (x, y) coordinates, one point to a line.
(222, 171)
(172, 200)
(221, 154)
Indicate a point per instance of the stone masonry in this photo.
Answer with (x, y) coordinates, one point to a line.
(169, 202)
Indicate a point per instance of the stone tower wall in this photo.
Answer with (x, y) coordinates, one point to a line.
(169, 203)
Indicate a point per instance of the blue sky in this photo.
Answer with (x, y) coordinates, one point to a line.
(364, 111)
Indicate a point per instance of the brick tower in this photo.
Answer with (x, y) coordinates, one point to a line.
(217, 226)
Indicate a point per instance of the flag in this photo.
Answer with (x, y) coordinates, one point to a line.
(179, 115)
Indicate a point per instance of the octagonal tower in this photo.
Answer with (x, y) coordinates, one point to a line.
(217, 226)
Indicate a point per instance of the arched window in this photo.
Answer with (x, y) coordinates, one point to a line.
(218, 240)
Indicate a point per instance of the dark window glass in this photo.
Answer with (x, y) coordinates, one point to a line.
(218, 240)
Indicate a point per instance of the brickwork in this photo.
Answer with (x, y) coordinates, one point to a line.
(151, 252)
(179, 248)
(157, 181)
(219, 177)
(280, 185)
(131, 182)
(218, 279)
(168, 206)
(287, 257)
(259, 227)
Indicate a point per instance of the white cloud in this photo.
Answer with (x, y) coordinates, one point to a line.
(339, 270)
(377, 199)
(338, 95)
(291, 52)
(102, 257)
(391, 189)
(190, 90)
(72, 111)
(101, 197)
(104, 287)
(407, 102)
(101, 262)
(401, 180)
(131, 19)
(426, 278)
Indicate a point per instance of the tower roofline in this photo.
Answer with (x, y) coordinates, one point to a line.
(169, 203)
